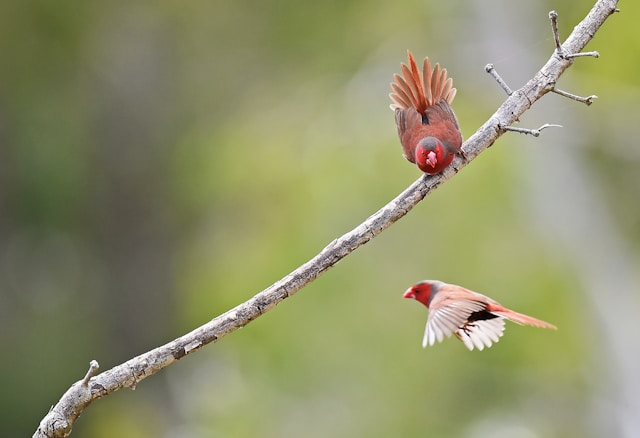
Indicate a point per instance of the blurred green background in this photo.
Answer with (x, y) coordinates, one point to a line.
(162, 162)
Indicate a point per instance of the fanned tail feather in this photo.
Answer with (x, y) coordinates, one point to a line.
(416, 79)
(420, 90)
(426, 74)
(435, 82)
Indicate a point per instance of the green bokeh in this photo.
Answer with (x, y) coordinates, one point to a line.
(161, 163)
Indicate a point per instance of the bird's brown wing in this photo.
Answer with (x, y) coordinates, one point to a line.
(442, 111)
(445, 123)
(406, 120)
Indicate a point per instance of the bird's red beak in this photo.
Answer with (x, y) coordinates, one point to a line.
(431, 159)
(409, 294)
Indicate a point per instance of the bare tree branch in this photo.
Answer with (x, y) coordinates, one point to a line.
(535, 132)
(59, 421)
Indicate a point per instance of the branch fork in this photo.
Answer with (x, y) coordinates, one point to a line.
(562, 54)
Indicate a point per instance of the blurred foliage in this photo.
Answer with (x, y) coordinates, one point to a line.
(163, 162)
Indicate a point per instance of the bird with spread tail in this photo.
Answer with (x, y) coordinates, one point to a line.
(475, 319)
(427, 126)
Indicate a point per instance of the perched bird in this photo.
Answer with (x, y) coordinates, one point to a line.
(427, 127)
(477, 320)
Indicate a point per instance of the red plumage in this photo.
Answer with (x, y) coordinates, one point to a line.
(475, 319)
(427, 126)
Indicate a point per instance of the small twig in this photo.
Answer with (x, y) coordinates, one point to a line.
(505, 127)
(492, 71)
(93, 367)
(553, 16)
(594, 54)
(534, 132)
(586, 100)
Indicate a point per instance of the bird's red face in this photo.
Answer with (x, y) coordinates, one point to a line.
(431, 157)
(422, 292)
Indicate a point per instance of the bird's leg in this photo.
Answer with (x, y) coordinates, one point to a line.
(534, 132)
(553, 16)
(466, 328)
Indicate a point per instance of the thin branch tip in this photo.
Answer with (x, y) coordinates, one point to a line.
(553, 16)
(586, 100)
(593, 54)
(93, 367)
(489, 68)
(533, 132)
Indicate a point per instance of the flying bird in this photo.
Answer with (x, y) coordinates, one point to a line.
(427, 126)
(475, 319)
